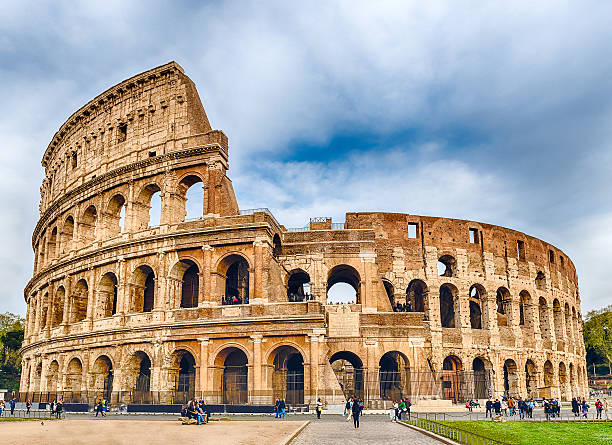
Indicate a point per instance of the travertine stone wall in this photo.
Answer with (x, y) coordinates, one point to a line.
(110, 291)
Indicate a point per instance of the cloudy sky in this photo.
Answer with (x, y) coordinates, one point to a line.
(495, 112)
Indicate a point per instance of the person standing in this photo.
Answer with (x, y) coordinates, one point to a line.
(408, 405)
(349, 407)
(489, 408)
(12, 406)
(585, 409)
(59, 408)
(356, 410)
(402, 408)
(575, 408)
(606, 409)
(282, 406)
(497, 407)
(276, 408)
(28, 406)
(319, 408)
(599, 408)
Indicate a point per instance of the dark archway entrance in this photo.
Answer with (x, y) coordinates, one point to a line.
(348, 369)
(185, 379)
(451, 379)
(288, 375)
(235, 378)
(394, 376)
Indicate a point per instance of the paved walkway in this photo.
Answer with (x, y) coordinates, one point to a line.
(376, 430)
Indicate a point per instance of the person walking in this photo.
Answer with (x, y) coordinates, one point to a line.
(575, 408)
(349, 407)
(599, 408)
(276, 409)
(408, 405)
(356, 411)
(320, 408)
(99, 408)
(402, 408)
(59, 407)
(28, 406)
(282, 406)
(585, 409)
(1, 407)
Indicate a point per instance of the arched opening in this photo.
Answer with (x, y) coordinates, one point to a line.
(44, 311)
(236, 280)
(568, 323)
(67, 235)
(107, 296)
(451, 378)
(147, 208)
(192, 188)
(88, 225)
(481, 379)
(143, 289)
(503, 303)
(511, 382)
(572, 379)
(234, 383)
(416, 295)
(52, 376)
(37, 378)
(184, 388)
(138, 377)
(475, 299)
(343, 284)
(448, 293)
(78, 303)
(543, 316)
(298, 286)
(52, 244)
(390, 294)
(74, 376)
(531, 379)
(102, 377)
(186, 276)
(288, 375)
(548, 378)
(277, 249)
(540, 281)
(558, 319)
(394, 376)
(58, 307)
(115, 216)
(524, 312)
(447, 266)
(563, 382)
(348, 369)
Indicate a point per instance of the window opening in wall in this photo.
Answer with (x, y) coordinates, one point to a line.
(473, 236)
(447, 305)
(237, 282)
(343, 285)
(193, 188)
(520, 247)
(416, 294)
(551, 256)
(475, 310)
(122, 133)
(446, 266)
(74, 160)
(562, 260)
(540, 281)
(298, 286)
(412, 230)
(152, 154)
(155, 210)
(122, 219)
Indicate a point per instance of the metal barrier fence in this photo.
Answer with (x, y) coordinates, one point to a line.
(457, 434)
(32, 414)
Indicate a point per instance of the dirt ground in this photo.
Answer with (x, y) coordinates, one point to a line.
(149, 432)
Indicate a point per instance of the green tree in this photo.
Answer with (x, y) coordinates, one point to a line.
(597, 331)
(11, 338)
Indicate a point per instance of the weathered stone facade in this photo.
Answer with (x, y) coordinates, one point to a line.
(113, 296)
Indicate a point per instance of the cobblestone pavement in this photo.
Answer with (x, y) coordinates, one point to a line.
(373, 430)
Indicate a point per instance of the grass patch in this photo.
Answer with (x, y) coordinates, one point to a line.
(17, 419)
(541, 433)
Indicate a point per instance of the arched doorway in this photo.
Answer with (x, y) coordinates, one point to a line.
(481, 379)
(107, 296)
(184, 388)
(563, 382)
(448, 293)
(394, 376)
(511, 383)
(343, 285)
(475, 299)
(52, 376)
(235, 377)
(102, 377)
(348, 369)
(531, 379)
(452, 379)
(416, 294)
(143, 289)
(138, 375)
(78, 302)
(74, 380)
(390, 291)
(548, 378)
(288, 375)
(235, 269)
(186, 275)
(298, 286)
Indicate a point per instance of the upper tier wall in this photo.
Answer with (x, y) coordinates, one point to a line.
(150, 114)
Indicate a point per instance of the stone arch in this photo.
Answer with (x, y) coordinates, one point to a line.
(568, 322)
(558, 319)
(37, 383)
(183, 374)
(78, 302)
(563, 382)
(137, 375)
(549, 375)
(44, 311)
(115, 215)
(531, 378)
(235, 269)
(348, 368)
(543, 317)
(52, 375)
(102, 375)
(187, 189)
(67, 234)
(186, 277)
(475, 298)
(511, 378)
(74, 375)
(417, 294)
(89, 225)
(452, 378)
(146, 210)
(106, 302)
(503, 303)
(277, 247)
(448, 313)
(394, 376)
(525, 316)
(298, 285)
(58, 306)
(447, 266)
(348, 275)
(142, 289)
(481, 369)
(287, 362)
(232, 375)
(540, 281)
(389, 290)
(52, 244)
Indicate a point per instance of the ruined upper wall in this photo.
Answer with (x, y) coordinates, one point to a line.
(150, 114)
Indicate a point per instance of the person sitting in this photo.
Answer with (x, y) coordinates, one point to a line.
(204, 410)
(191, 410)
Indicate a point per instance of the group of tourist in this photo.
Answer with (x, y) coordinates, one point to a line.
(57, 407)
(280, 408)
(471, 404)
(354, 408)
(402, 307)
(601, 407)
(196, 409)
(509, 406)
(297, 298)
(400, 407)
(234, 299)
(101, 406)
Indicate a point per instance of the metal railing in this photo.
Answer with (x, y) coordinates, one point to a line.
(457, 434)
(32, 414)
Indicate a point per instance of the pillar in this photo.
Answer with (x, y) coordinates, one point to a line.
(203, 385)
(257, 397)
(206, 289)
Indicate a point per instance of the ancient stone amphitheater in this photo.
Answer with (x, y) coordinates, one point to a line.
(232, 306)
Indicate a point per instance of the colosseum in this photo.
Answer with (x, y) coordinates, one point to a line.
(147, 306)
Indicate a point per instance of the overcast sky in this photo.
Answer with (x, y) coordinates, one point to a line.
(499, 113)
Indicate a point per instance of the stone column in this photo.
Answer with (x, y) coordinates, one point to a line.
(258, 247)
(206, 289)
(203, 385)
(371, 391)
(257, 396)
(315, 340)
(67, 297)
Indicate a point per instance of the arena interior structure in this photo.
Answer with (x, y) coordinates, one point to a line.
(231, 306)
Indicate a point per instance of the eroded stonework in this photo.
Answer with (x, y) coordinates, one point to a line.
(232, 305)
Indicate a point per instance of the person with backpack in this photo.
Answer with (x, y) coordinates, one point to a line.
(599, 408)
(320, 408)
(356, 411)
(489, 408)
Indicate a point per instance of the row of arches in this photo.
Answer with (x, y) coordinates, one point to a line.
(118, 214)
